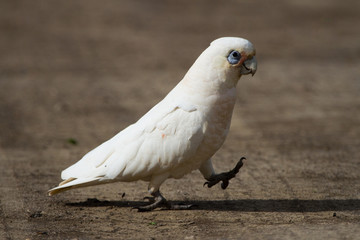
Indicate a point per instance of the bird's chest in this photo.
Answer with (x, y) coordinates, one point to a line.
(217, 123)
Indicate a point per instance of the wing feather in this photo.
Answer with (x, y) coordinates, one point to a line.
(158, 142)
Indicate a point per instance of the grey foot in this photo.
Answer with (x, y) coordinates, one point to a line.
(225, 176)
(158, 201)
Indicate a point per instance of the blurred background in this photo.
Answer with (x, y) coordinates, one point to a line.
(74, 73)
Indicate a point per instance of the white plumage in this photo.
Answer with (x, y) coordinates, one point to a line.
(179, 134)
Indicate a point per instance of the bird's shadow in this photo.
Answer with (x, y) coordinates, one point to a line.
(244, 205)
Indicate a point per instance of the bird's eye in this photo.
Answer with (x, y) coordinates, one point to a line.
(234, 57)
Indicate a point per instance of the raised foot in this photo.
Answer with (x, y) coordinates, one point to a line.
(225, 176)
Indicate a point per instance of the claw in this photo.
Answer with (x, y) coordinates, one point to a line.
(224, 184)
(150, 199)
(158, 201)
(225, 176)
(210, 184)
(239, 164)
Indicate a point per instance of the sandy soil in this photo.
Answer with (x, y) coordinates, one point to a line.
(84, 70)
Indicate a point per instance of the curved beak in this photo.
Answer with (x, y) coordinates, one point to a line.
(249, 66)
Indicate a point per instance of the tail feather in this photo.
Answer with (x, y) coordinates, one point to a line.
(72, 183)
(66, 181)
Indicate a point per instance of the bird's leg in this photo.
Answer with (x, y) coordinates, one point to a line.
(224, 177)
(158, 201)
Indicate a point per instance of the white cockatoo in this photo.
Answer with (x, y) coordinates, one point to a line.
(180, 134)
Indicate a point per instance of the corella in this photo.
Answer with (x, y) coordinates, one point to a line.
(178, 135)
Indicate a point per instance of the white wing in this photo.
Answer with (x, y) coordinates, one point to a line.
(158, 142)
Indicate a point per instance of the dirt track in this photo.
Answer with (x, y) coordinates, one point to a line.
(87, 69)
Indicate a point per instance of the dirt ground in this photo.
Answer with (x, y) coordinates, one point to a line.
(83, 70)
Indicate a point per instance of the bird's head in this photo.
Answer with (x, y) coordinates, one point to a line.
(225, 61)
(233, 53)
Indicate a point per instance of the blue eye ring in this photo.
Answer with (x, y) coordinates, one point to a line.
(234, 57)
